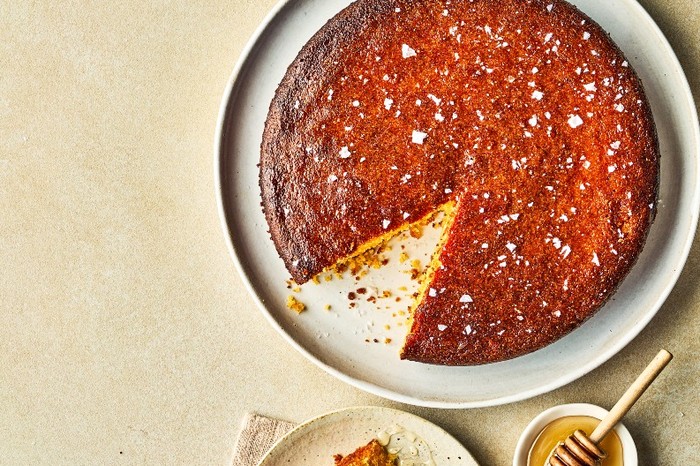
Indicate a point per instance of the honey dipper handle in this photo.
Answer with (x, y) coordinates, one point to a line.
(631, 395)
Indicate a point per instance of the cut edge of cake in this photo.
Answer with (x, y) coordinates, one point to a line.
(449, 210)
(367, 254)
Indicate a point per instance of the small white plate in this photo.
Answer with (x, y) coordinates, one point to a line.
(529, 435)
(315, 442)
(342, 341)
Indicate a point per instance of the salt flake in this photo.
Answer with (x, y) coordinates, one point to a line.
(407, 52)
(575, 121)
(417, 137)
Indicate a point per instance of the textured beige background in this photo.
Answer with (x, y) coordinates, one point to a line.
(126, 336)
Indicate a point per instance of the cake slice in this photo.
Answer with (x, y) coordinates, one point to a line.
(372, 454)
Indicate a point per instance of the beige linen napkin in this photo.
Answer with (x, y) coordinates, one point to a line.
(258, 434)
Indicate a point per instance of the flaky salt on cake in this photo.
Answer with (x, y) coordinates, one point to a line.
(521, 119)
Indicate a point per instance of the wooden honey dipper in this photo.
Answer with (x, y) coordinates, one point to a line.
(581, 450)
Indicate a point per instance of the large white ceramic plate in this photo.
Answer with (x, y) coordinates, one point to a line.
(315, 442)
(341, 341)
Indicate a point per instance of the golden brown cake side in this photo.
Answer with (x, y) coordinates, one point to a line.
(372, 454)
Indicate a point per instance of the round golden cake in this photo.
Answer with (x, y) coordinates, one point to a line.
(521, 118)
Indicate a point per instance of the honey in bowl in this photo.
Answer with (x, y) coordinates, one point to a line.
(559, 429)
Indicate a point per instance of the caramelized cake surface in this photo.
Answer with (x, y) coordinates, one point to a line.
(522, 113)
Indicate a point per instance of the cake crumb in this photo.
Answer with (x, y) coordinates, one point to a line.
(415, 231)
(295, 305)
(415, 274)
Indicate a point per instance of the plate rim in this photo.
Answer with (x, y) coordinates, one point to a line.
(338, 412)
(685, 93)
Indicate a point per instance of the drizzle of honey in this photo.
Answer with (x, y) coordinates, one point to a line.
(558, 430)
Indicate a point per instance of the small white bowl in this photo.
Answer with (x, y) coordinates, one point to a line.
(527, 438)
